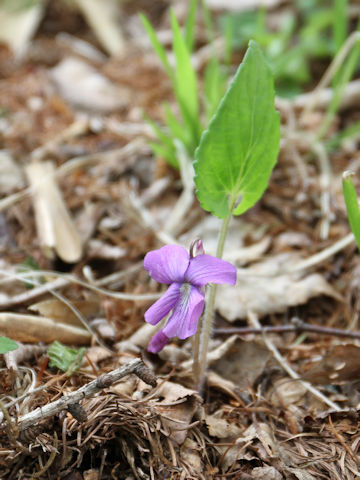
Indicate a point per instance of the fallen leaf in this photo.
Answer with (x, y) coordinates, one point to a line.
(219, 427)
(176, 409)
(339, 364)
(243, 362)
(54, 225)
(83, 87)
(60, 311)
(264, 289)
(32, 329)
(189, 451)
(287, 391)
(265, 473)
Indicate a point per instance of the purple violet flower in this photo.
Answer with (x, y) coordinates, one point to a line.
(187, 276)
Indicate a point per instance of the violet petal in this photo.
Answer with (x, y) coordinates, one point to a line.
(158, 342)
(205, 269)
(162, 307)
(167, 264)
(183, 322)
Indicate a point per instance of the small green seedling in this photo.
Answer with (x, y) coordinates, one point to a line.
(65, 358)
(184, 82)
(316, 32)
(352, 205)
(7, 345)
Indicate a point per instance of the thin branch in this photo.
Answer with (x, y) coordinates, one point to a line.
(104, 381)
(298, 326)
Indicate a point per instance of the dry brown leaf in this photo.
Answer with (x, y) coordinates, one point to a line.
(261, 290)
(219, 427)
(59, 311)
(287, 392)
(54, 225)
(189, 451)
(177, 409)
(265, 473)
(263, 433)
(217, 382)
(301, 474)
(83, 87)
(243, 362)
(340, 363)
(32, 329)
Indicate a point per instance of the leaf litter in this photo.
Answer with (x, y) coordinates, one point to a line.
(255, 421)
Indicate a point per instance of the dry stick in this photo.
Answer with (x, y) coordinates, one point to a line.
(104, 381)
(277, 355)
(297, 327)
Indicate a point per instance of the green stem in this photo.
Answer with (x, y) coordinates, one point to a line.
(209, 310)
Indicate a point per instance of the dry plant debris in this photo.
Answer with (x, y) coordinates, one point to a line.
(97, 203)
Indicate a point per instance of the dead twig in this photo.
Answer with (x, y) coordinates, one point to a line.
(104, 381)
(298, 326)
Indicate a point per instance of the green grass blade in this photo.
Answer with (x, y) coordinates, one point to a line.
(177, 130)
(340, 23)
(163, 151)
(190, 26)
(159, 49)
(352, 206)
(238, 151)
(185, 82)
(342, 79)
(351, 131)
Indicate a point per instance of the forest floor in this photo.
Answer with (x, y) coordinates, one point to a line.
(278, 404)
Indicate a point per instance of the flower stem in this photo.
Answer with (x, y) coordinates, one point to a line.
(209, 312)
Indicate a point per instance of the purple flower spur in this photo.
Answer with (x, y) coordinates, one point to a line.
(187, 274)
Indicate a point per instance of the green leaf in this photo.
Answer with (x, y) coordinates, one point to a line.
(159, 49)
(7, 345)
(190, 25)
(238, 151)
(352, 205)
(185, 85)
(65, 358)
